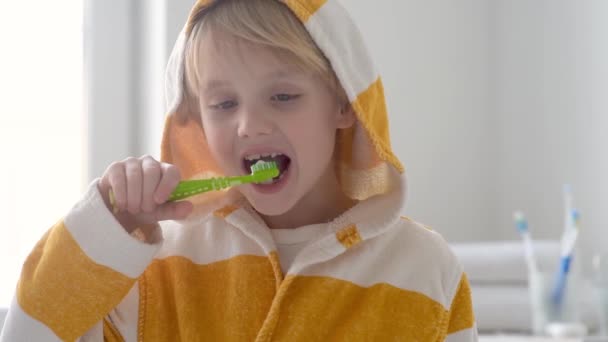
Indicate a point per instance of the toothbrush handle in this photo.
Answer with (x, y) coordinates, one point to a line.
(529, 253)
(189, 188)
(560, 282)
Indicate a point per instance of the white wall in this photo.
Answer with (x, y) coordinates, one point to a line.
(127, 44)
(494, 105)
(108, 68)
(149, 59)
(157, 24)
(433, 57)
(551, 74)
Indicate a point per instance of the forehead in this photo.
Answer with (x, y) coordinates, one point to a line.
(225, 54)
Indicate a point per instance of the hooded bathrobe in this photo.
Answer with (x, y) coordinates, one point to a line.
(370, 274)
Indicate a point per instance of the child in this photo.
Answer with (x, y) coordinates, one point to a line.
(319, 254)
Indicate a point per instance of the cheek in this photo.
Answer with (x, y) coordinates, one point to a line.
(219, 146)
(313, 128)
(316, 116)
(313, 137)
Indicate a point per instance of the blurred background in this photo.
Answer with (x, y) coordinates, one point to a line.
(493, 105)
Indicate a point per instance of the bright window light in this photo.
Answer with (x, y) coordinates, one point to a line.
(42, 125)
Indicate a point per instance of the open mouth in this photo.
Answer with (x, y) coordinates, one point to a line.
(283, 162)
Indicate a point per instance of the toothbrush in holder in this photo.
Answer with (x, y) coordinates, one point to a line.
(522, 227)
(567, 192)
(567, 251)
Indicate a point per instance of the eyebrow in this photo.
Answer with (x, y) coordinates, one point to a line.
(214, 84)
(285, 73)
(274, 75)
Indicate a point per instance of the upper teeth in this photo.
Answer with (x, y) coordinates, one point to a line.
(259, 156)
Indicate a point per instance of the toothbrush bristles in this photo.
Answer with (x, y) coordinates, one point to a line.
(518, 216)
(263, 165)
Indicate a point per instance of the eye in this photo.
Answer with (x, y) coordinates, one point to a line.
(284, 97)
(224, 105)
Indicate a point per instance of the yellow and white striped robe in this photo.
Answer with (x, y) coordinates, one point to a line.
(373, 276)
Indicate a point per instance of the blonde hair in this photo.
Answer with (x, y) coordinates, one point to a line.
(266, 22)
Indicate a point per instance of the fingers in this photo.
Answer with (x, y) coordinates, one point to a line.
(117, 183)
(140, 189)
(134, 175)
(152, 173)
(169, 180)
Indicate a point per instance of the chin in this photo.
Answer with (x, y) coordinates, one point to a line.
(270, 207)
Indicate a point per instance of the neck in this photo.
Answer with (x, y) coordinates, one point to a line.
(322, 204)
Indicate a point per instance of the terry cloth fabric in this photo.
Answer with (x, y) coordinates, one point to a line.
(290, 242)
(216, 276)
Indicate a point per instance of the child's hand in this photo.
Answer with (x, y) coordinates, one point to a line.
(141, 187)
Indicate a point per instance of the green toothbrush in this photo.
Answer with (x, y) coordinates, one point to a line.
(260, 172)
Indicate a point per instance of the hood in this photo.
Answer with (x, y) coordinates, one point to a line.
(366, 165)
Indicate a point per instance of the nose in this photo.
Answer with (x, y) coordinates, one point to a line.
(253, 122)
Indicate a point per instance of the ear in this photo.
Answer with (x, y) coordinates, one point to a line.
(346, 117)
